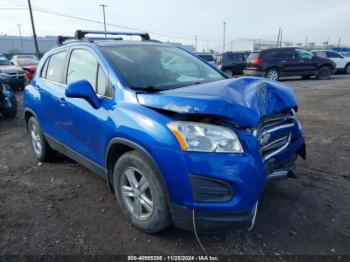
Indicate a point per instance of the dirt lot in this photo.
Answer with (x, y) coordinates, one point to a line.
(62, 208)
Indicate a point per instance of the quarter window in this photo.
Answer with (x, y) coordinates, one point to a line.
(56, 66)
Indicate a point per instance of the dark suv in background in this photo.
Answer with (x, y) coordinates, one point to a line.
(277, 62)
(233, 63)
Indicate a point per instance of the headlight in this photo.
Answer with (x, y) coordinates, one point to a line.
(200, 137)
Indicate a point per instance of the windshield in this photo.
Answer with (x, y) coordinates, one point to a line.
(160, 67)
(4, 60)
(27, 62)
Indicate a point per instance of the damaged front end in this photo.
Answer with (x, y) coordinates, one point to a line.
(262, 115)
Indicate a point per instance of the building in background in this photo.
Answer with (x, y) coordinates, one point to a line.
(10, 45)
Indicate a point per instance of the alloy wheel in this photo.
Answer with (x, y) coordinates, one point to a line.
(272, 75)
(136, 193)
(36, 139)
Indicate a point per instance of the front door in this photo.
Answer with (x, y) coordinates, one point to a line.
(86, 127)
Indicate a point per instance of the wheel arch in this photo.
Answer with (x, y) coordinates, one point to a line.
(28, 113)
(119, 146)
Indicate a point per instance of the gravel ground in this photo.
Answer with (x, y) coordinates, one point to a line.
(62, 208)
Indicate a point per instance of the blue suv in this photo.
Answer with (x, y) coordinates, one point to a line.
(176, 139)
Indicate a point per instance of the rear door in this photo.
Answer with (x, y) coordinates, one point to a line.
(307, 63)
(52, 91)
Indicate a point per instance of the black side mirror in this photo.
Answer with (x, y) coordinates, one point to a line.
(83, 89)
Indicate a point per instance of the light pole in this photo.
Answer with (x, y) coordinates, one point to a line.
(223, 44)
(33, 28)
(104, 17)
(20, 36)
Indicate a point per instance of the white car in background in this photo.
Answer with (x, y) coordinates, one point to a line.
(342, 62)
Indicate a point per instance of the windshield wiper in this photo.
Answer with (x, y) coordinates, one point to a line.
(147, 88)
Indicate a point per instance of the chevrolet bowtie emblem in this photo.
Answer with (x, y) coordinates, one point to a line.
(264, 138)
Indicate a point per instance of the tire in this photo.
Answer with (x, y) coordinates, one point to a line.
(324, 73)
(229, 72)
(11, 112)
(272, 74)
(347, 69)
(41, 148)
(145, 207)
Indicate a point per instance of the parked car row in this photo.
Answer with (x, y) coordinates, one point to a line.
(278, 62)
(20, 69)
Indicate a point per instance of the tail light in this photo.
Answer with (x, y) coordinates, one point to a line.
(256, 61)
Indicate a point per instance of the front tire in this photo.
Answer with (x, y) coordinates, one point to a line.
(41, 148)
(140, 193)
(324, 73)
(272, 74)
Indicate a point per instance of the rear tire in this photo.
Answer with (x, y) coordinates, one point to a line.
(347, 69)
(140, 193)
(324, 73)
(11, 112)
(229, 72)
(272, 74)
(41, 148)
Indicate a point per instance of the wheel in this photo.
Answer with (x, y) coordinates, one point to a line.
(347, 69)
(42, 149)
(140, 193)
(272, 74)
(306, 77)
(229, 72)
(324, 73)
(11, 112)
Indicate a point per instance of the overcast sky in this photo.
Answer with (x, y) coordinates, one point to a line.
(181, 20)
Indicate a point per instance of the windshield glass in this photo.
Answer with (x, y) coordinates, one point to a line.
(160, 67)
(4, 60)
(27, 62)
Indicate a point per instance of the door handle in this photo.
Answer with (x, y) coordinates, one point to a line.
(301, 61)
(283, 61)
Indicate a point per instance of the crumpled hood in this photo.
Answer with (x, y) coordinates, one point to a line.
(243, 100)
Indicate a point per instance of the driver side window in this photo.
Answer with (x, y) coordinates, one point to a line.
(83, 65)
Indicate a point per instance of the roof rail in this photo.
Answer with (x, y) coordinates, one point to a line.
(80, 34)
(61, 39)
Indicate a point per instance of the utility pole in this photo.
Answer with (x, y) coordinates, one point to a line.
(195, 43)
(104, 17)
(339, 42)
(33, 28)
(278, 37)
(281, 38)
(223, 44)
(20, 36)
(306, 42)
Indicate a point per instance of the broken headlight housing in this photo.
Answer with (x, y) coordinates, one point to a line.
(201, 137)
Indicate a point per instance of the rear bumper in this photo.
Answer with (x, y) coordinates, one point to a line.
(251, 72)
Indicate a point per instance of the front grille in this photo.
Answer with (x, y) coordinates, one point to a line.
(273, 134)
(16, 75)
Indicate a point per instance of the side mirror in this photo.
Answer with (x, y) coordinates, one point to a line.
(83, 89)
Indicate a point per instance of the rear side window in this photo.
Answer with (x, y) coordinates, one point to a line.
(333, 55)
(56, 66)
(253, 56)
(208, 58)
